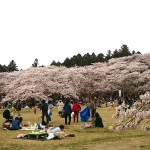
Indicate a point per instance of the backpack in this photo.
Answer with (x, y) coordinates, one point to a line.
(6, 114)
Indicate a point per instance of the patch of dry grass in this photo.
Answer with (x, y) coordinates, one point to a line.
(92, 138)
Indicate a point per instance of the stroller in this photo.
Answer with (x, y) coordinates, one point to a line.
(7, 115)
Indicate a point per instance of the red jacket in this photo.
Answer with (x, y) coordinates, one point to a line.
(76, 107)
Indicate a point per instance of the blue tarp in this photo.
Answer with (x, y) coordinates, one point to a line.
(85, 114)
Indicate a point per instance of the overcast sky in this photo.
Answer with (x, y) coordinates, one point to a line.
(55, 29)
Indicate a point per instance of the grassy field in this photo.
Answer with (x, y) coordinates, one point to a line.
(91, 139)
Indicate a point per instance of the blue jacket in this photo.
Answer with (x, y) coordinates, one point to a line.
(15, 124)
(67, 109)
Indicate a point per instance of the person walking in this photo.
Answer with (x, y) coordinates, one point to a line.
(67, 112)
(76, 108)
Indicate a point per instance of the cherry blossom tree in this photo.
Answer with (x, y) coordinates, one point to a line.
(129, 74)
(133, 117)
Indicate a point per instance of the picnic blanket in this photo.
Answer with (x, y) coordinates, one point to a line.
(37, 135)
(41, 138)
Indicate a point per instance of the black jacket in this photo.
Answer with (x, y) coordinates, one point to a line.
(44, 107)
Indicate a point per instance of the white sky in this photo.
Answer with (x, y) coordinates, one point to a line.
(55, 29)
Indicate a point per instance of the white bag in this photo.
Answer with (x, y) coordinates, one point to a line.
(72, 114)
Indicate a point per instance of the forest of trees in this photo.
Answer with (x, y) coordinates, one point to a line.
(87, 59)
(78, 60)
(11, 67)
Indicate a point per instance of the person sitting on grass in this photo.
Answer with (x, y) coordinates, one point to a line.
(97, 122)
(16, 124)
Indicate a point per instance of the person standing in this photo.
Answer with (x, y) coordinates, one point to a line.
(50, 107)
(44, 109)
(92, 107)
(67, 112)
(76, 108)
(60, 105)
(18, 107)
(34, 110)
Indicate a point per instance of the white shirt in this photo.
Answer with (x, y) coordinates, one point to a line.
(57, 129)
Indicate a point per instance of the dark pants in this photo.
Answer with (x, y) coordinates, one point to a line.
(49, 118)
(66, 117)
(46, 115)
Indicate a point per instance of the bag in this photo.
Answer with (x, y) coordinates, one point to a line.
(72, 114)
(6, 114)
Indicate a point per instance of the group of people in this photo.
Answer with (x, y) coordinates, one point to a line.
(11, 123)
(46, 109)
(64, 110)
(68, 110)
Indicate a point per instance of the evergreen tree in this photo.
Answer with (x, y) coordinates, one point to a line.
(67, 62)
(115, 54)
(124, 51)
(12, 66)
(93, 58)
(56, 63)
(3, 68)
(100, 58)
(79, 60)
(133, 52)
(53, 63)
(108, 55)
(87, 59)
(138, 52)
(73, 61)
(35, 64)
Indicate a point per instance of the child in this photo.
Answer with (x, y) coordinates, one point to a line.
(34, 110)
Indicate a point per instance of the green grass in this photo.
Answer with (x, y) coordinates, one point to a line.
(91, 138)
